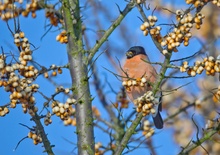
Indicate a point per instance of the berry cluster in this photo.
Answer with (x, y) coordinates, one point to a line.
(145, 103)
(36, 137)
(209, 64)
(216, 95)
(197, 3)
(55, 69)
(64, 111)
(47, 119)
(30, 8)
(50, 13)
(30, 108)
(198, 20)
(121, 99)
(136, 82)
(97, 149)
(23, 44)
(9, 9)
(62, 37)
(180, 34)
(216, 2)
(66, 91)
(212, 123)
(147, 26)
(6, 10)
(200, 3)
(147, 130)
(18, 77)
(3, 111)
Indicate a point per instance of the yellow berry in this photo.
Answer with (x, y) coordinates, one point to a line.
(145, 32)
(46, 75)
(21, 35)
(143, 27)
(30, 134)
(34, 136)
(59, 70)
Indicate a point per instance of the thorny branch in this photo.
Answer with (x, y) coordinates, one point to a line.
(108, 32)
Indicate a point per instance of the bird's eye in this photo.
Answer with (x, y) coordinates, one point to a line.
(130, 54)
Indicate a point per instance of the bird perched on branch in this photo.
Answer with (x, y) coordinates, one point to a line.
(138, 77)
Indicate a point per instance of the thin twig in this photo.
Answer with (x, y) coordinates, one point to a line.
(107, 33)
(19, 143)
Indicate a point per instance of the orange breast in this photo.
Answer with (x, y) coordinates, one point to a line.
(136, 68)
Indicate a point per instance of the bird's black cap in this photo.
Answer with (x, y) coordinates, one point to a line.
(135, 50)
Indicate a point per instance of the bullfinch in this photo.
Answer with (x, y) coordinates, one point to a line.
(135, 67)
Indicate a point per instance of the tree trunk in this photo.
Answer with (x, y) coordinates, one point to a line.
(78, 70)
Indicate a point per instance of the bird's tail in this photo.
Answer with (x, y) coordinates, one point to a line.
(158, 121)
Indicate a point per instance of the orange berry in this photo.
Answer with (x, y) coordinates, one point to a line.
(65, 39)
(21, 35)
(34, 5)
(58, 37)
(54, 73)
(143, 27)
(46, 75)
(186, 43)
(35, 142)
(74, 122)
(25, 13)
(198, 26)
(216, 98)
(34, 136)
(30, 134)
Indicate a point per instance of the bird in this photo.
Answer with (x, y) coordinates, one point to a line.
(135, 67)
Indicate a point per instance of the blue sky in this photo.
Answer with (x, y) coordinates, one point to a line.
(51, 52)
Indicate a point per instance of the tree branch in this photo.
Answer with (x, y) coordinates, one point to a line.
(155, 88)
(207, 136)
(40, 128)
(107, 33)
